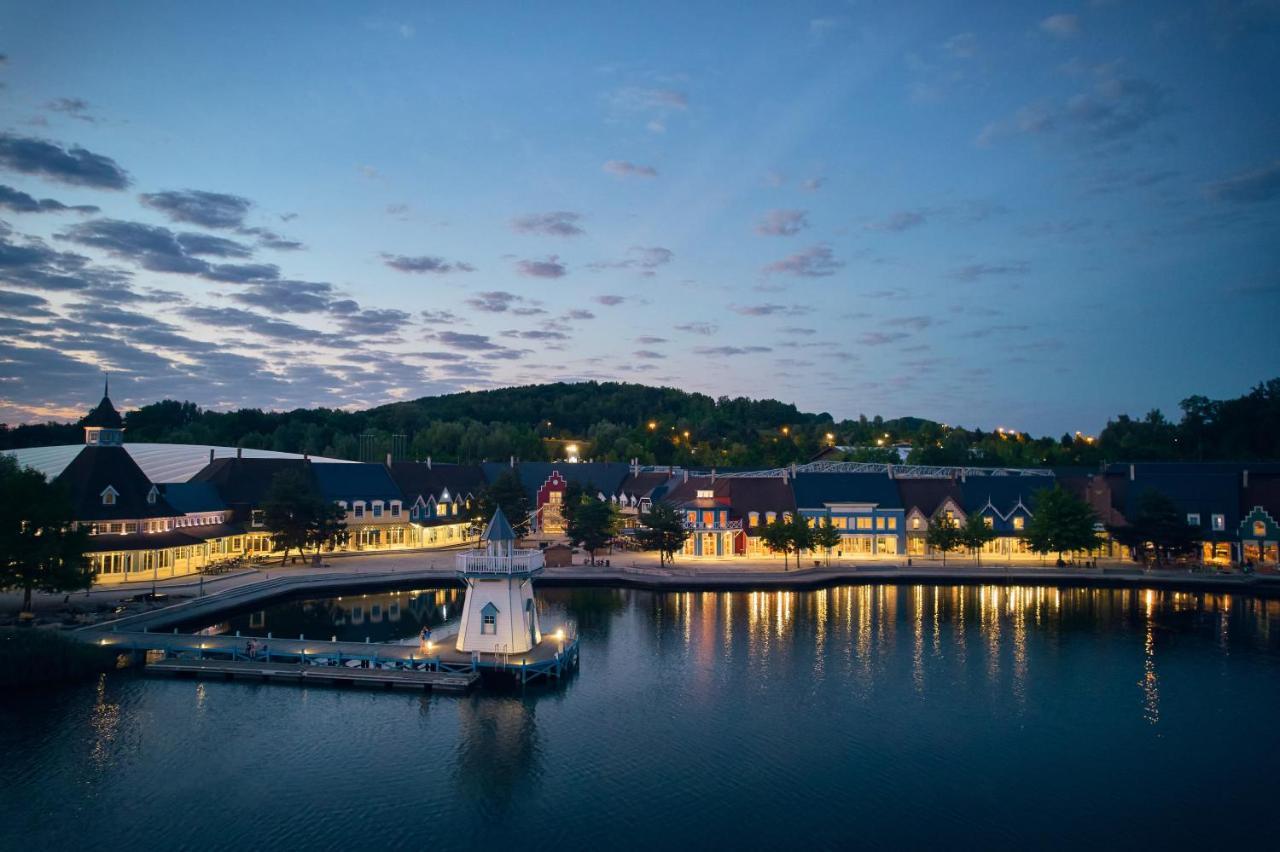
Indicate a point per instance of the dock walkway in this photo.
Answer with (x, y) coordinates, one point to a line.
(397, 678)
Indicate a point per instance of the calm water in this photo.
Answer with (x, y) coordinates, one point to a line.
(874, 716)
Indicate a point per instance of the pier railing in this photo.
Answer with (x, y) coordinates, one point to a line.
(481, 562)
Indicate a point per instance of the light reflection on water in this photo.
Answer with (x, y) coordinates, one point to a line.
(741, 718)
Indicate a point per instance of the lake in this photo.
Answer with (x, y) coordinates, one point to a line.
(875, 715)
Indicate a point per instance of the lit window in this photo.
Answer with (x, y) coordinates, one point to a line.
(1259, 529)
(990, 523)
(708, 519)
(770, 517)
(753, 519)
(892, 523)
(915, 523)
(109, 496)
(864, 523)
(879, 523)
(705, 494)
(1019, 522)
(1219, 523)
(1193, 519)
(692, 518)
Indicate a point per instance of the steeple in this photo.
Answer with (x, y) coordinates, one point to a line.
(103, 426)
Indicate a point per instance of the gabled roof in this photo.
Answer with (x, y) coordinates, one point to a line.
(98, 467)
(1004, 493)
(1264, 491)
(816, 490)
(246, 481)
(355, 482)
(603, 477)
(643, 484)
(928, 495)
(417, 479)
(1201, 489)
(498, 529)
(742, 495)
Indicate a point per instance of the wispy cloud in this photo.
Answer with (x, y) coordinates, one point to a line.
(625, 168)
(782, 223)
(551, 267)
(1252, 187)
(1061, 25)
(558, 223)
(814, 262)
(424, 264)
(74, 165)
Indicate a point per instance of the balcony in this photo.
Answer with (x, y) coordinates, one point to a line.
(478, 563)
(731, 526)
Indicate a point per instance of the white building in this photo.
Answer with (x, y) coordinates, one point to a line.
(499, 615)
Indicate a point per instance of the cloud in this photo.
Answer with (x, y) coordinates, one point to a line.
(77, 108)
(549, 268)
(270, 239)
(623, 168)
(20, 202)
(281, 297)
(424, 263)
(814, 262)
(961, 46)
(158, 249)
(639, 98)
(197, 207)
(372, 322)
(26, 304)
(559, 223)
(812, 184)
(579, 314)
(609, 300)
(919, 323)
(1061, 26)
(730, 350)
(34, 265)
(704, 328)
(649, 340)
(441, 317)
(537, 334)
(75, 165)
(770, 309)
(648, 354)
(976, 271)
(796, 330)
(783, 223)
(1116, 108)
(1259, 185)
(240, 319)
(902, 220)
(645, 258)
(500, 301)
(880, 338)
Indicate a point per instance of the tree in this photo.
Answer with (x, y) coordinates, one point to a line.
(40, 549)
(776, 536)
(799, 535)
(975, 534)
(507, 493)
(1062, 523)
(593, 524)
(297, 515)
(329, 527)
(662, 529)
(1159, 529)
(826, 536)
(943, 535)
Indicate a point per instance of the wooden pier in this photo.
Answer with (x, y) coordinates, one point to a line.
(388, 678)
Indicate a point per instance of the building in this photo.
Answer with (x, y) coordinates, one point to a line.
(865, 507)
(499, 615)
(923, 499)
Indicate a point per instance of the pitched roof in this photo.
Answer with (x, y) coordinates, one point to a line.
(603, 477)
(355, 482)
(104, 416)
(1201, 489)
(928, 495)
(1002, 492)
(643, 484)
(816, 490)
(742, 495)
(246, 481)
(95, 469)
(498, 529)
(419, 479)
(189, 497)
(1264, 491)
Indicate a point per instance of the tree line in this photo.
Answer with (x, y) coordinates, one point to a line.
(618, 422)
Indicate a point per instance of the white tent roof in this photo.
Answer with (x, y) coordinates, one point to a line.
(160, 462)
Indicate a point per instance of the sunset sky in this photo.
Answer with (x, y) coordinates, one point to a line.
(1027, 215)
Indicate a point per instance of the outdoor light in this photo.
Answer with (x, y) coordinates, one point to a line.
(653, 425)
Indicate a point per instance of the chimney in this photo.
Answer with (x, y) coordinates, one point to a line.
(784, 475)
(211, 455)
(686, 476)
(962, 475)
(1133, 472)
(388, 459)
(793, 470)
(428, 462)
(239, 452)
(1246, 478)
(513, 462)
(889, 470)
(713, 476)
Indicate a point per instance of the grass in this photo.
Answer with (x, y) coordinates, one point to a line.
(31, 657)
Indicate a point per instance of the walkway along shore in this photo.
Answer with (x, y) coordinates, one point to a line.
(248, 594)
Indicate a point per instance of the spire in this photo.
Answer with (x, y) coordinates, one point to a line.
(106, 384)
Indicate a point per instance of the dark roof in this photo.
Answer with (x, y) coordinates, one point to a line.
(96, 467)
(815, 490)
(643, 484)
(419, 479)
(190, 497)
(184, 537)
(242, 481)
(928, 494)
(1203, 489)
(1003, 492)
(1264, 491)
(342, 481)
(104, 416)
(741, 494)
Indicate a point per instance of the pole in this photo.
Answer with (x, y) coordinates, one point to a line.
(155, 572)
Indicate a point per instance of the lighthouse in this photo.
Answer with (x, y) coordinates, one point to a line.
(499, 615)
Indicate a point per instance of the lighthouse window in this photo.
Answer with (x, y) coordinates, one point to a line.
(489, 624)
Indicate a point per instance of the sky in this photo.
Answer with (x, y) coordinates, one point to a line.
(1025, 215)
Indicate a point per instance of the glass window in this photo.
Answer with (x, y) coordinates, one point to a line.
(1019, 522)
(1219, 523)
(708, 519)
(915, 523)
(864, 523)
(1259, 529)
(692, 517)
(1193, 519)
(359, 510)
(879, 523)
(989, 523)
(489, 624)
(892, 523)
(377, 510)
(770, 517)
(753, 519)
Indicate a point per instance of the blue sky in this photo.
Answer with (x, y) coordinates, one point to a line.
(1016, 214)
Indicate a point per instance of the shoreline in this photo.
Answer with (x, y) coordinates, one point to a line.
(805, 579)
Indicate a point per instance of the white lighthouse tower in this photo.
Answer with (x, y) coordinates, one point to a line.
(499, 615)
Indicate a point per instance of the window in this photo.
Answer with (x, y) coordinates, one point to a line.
(109, 496)
(395, 508)
(1193, 519)
(151, 495)
(753, 519)
(786, 517)
(488, 624)
(879, 523)
(892, 523)
(864, 523)
(1019, 522)
(915, 523)
(1259, 529)
(770, 517)
(377, 509)
(256, 517)
(705, 494)
(989, 523)
(358, 508)
(691, 518)
(950, 515)
(1219, 523)
(708, 519)
(841, 523)
(342, 504)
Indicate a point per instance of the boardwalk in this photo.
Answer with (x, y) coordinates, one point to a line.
(398, 678)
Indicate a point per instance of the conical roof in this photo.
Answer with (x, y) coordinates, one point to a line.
(499, 529)
(105, 415)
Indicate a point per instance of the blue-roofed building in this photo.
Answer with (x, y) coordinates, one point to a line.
(865, 507)
(1006, 504)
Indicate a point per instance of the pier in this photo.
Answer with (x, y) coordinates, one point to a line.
(305, 673)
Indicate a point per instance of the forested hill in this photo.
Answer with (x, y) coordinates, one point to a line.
(617, 422)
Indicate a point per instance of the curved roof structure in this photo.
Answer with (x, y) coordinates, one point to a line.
(160, 462)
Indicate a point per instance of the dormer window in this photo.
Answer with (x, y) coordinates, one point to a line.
(109, 496)
(377, 508)
(705, 494)
(152, 495)
(358, 508)
(1019, 523)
